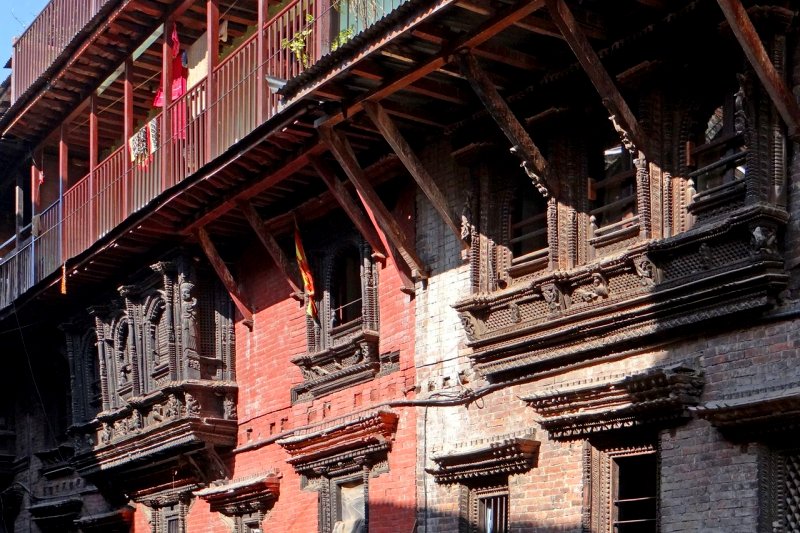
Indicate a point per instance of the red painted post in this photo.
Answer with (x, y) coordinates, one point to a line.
(93, 155)
(127, 166)
(167, 51)
(212, 25)
(63, 183)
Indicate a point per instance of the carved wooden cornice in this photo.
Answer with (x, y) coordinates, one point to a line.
(655, 395)
(507, 456)
(354, 441)
(755, 414)
(244, 496)
(717, 269)
(56, 515)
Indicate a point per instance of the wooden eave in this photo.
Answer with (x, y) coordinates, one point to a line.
(406, 63)
(655, 395)
(513, 455)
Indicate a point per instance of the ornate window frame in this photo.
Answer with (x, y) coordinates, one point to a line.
(345, 450)
(602, 483)
(245, 501)
(482, 470)
(342, 355)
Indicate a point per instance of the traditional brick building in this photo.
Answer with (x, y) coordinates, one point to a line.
(553, 243)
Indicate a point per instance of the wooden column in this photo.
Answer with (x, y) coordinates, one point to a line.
(166, 87)
(753, 48)
(261, 73)
(212, 44)
(63, 184)
(19, 205)
(93, 160)
(225, 276)
(127, 179)
(36, 170)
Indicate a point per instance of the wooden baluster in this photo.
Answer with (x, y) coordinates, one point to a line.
(212, 24)
(63, 184)
(127, 166)
(93, 153)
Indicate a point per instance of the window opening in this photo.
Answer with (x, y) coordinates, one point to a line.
(492, 512)
(718, 154)
(347, 289)
(350, 507)
(635, 493)
(528, 226)
(614, 194)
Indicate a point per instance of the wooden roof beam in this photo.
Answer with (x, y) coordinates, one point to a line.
(753, 48)
(534, 163)
(274, 250)
(622, 116)
(413, 164)
(344, 154)
(225, 276)
(345, 200)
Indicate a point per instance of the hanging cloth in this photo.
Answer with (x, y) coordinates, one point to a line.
(179, 75)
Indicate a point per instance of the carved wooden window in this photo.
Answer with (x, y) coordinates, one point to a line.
(250, 523)
(346, 297)
(347, 506)
(612, 190)
(623, 489)
(169, 519)
(527, 232)
(487, 507)
(716, 155)
(780, 481)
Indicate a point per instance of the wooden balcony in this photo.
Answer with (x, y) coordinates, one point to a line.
(48, 38)
(209, 119)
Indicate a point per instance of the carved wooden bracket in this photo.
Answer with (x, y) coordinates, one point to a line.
(225, 276)
(342, 446)
(343, 152)
(118, 520)
(392, 134)
(624, 120)
(244, 496)
(765, 412)
(508, 456)
(272, 247)
(533, 162)
(655, 395)
(753, 48)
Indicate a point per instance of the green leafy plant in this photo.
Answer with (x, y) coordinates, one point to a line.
(342, 37)
(298, 43)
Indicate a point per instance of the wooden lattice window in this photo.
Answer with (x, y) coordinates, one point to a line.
(527, 231)
(623, 489)
(717, 152)
(780, 479)
(485, 505)
(612, 188)
(346, 297)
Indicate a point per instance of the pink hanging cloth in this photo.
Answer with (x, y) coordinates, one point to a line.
(179, 74)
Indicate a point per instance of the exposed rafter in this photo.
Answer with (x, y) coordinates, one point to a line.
(224, 275)
(753, 48)
(356, 215)
(601, 79)
(392, 134)
(272, 247)
(533, 161)
(344, 154)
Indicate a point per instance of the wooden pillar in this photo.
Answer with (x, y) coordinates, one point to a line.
(261, 73)
(19, 205)
(93, 160)
(36, 169)
(212, 34)
(63, 184)
(127, 179)
(167, 50)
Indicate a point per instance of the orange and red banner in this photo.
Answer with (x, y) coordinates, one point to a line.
(305, 272)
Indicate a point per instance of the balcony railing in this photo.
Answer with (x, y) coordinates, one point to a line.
(116, 188)
(47, 37)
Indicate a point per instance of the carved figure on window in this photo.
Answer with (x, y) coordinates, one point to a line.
(740, 114)
(229, 408)
(192, 407)
(470, 325)
(189, 319)
(623, 135)
(596, 291)
(466, 219)
(763, 241)
(707, 259)
(173, 409)
(552, 296)
(646, 271)
(534, 177)
(124, 370)
(514, 313)
(107, 434)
